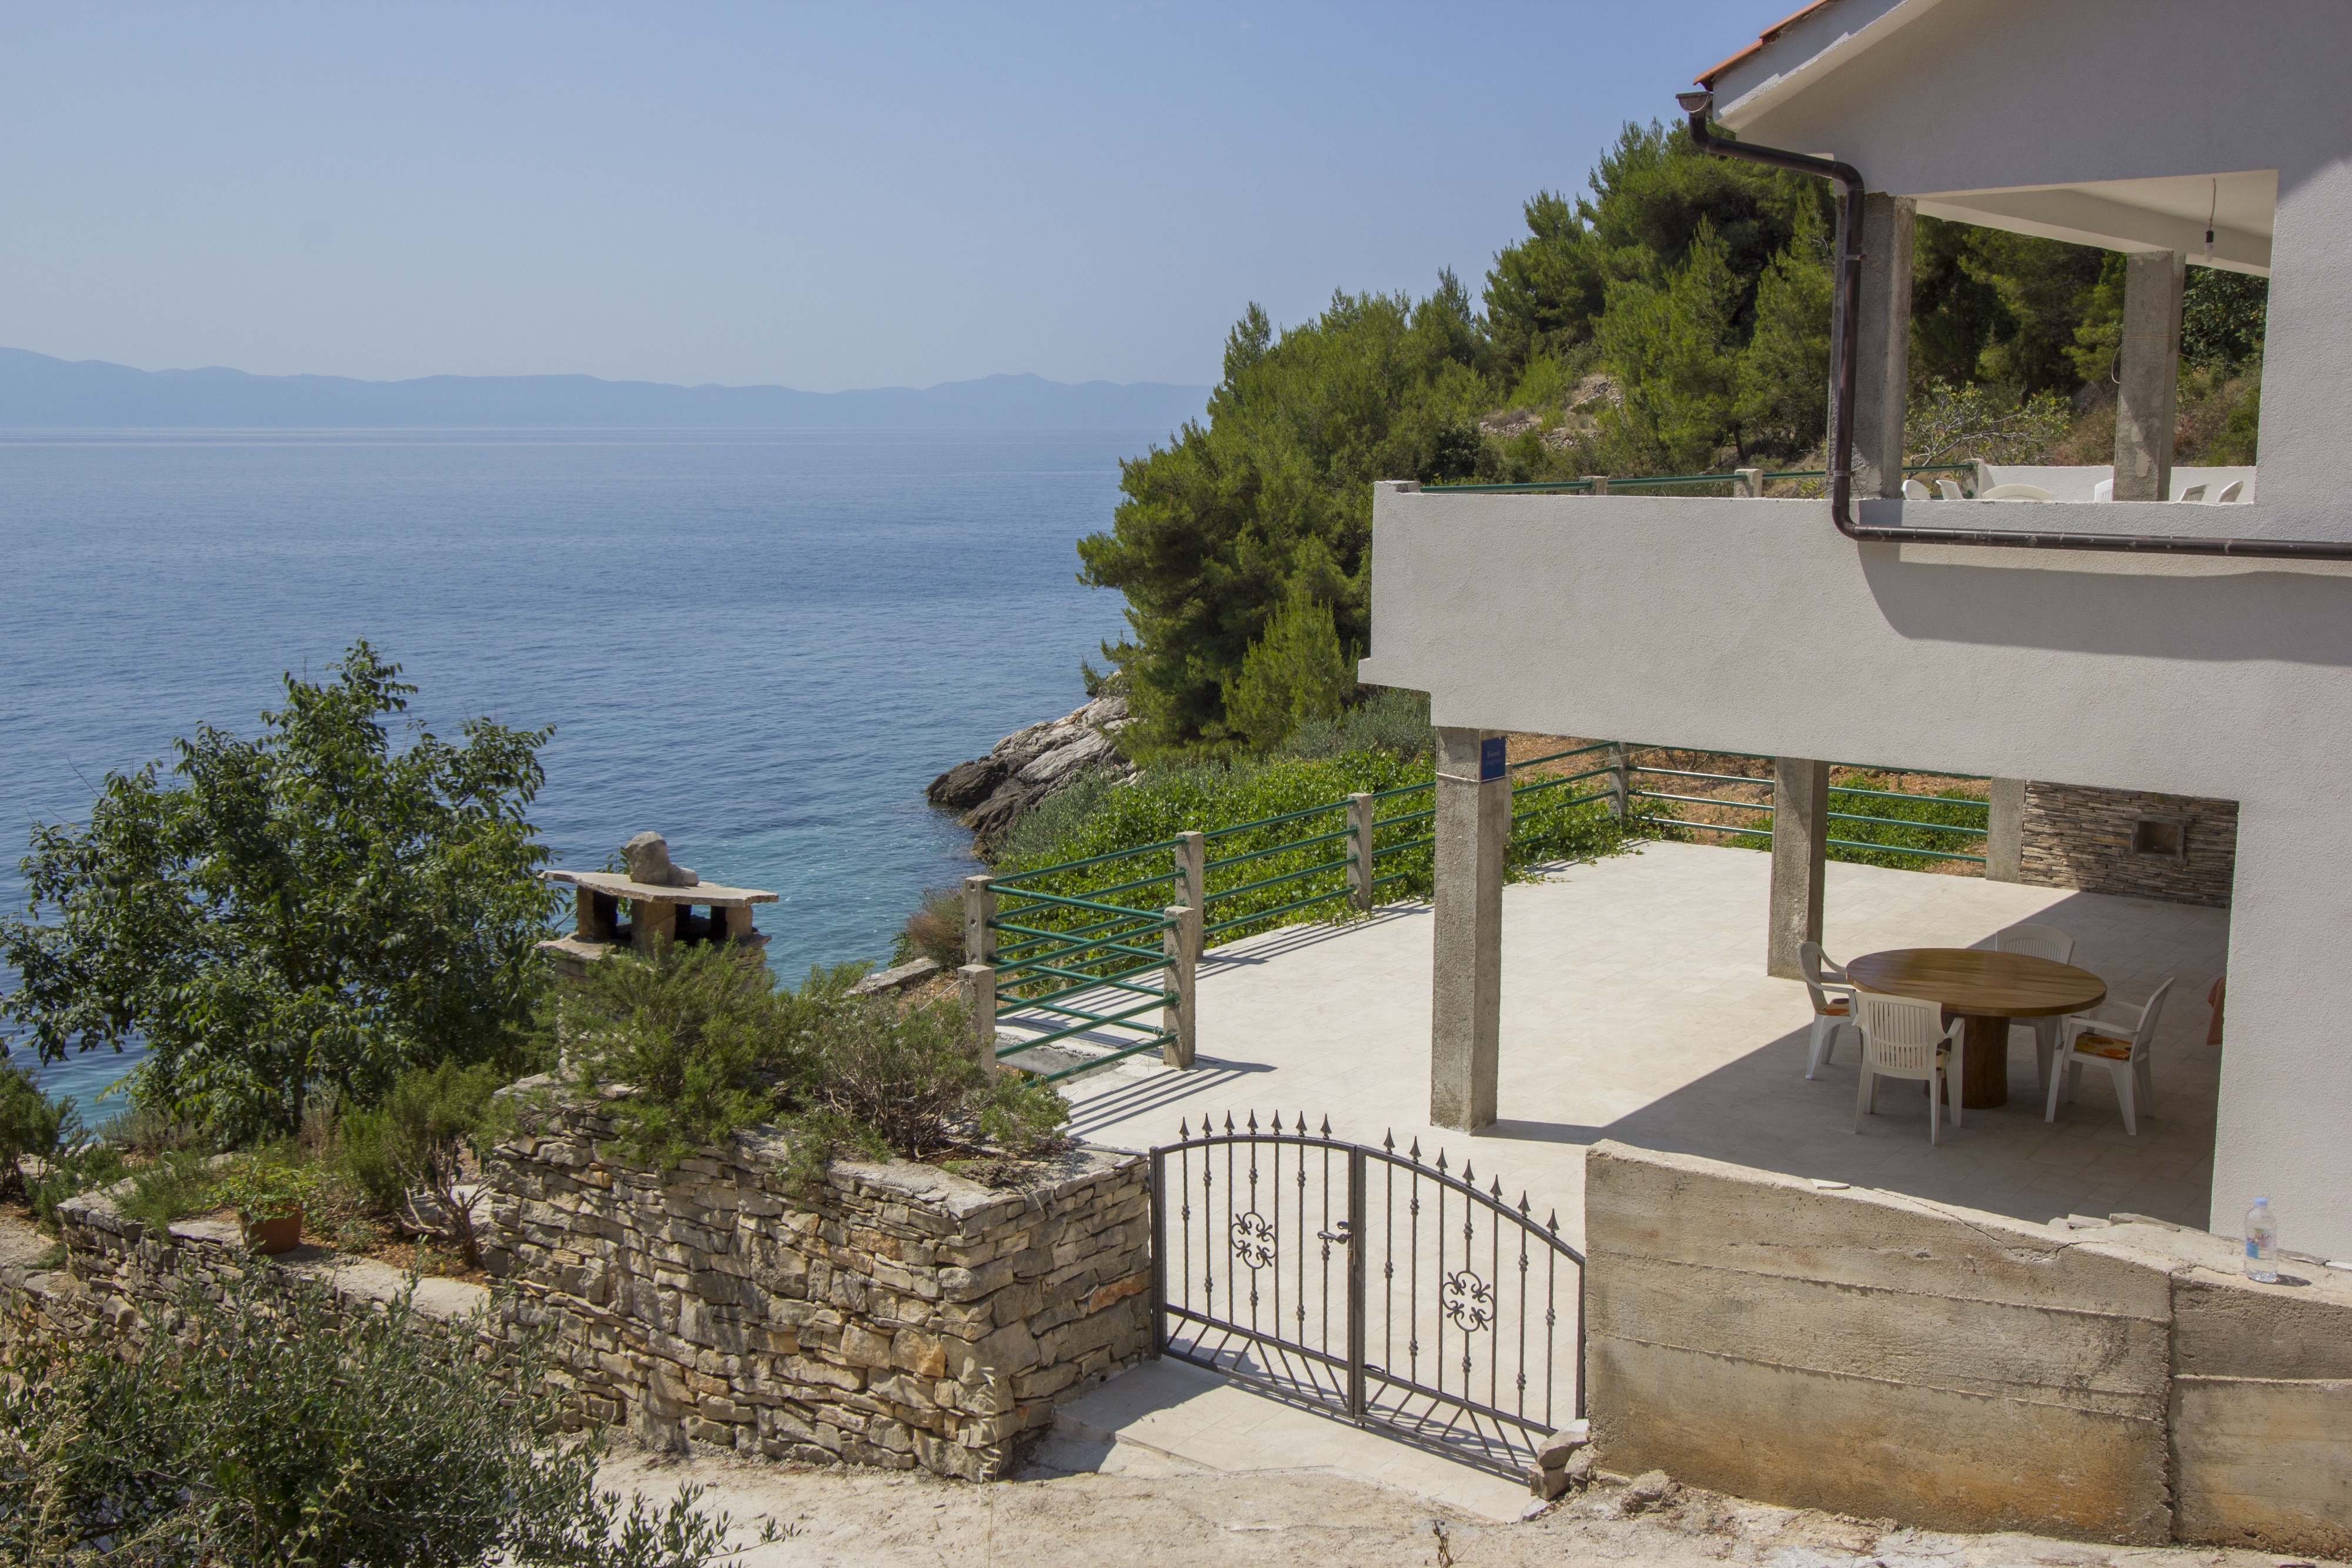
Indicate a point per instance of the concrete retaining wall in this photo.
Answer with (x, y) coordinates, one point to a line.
(1866, 1352)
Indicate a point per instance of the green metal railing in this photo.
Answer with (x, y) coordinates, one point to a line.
(1101, 959)
(1764, 809)
(1615, 484)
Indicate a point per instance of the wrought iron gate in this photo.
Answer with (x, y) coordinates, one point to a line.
(1369, 1283)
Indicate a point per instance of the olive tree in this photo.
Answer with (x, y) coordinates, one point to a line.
(323, 904)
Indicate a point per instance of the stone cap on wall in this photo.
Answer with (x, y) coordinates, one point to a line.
(710, 894)
(766, 1148)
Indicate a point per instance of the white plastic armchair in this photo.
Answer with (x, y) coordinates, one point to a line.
(2039, 942)
(1949, 490)
(2090, 1039)
(2229, 492)
(1915, 491)
(1903, 1036)
(1833, 1002)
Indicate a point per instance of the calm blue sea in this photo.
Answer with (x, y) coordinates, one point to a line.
(761, 644)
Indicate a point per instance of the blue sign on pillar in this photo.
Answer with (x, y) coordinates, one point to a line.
(1492, 762)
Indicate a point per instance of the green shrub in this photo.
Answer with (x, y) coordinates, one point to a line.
(1295, 674)
(285, 1431)
(263, 1185)
(167, 1187)
(412, 1143)
(935, 931)
(32, 1126)
(1390, 719)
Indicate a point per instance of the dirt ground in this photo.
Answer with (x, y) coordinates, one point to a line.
(1136, 1508)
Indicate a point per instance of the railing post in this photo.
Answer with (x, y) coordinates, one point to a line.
(1600, 483)
(1621, 782)
(1179, 940)
(980, 920)
(1192, 880)
(1359, 842)
(1357, 1242)
(977, 984)
(1749, 485)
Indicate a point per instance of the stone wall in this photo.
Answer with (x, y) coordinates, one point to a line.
(119, 1269)
(895, 1315)
(2076, 836)
(1871, 1354)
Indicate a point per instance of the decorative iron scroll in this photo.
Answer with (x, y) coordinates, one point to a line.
(1254, 1239)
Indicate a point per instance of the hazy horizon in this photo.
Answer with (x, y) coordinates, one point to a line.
(819, 198)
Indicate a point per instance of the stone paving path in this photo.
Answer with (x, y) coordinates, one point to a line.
(1635, 1007)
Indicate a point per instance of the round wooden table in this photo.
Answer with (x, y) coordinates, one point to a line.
(1988, 990)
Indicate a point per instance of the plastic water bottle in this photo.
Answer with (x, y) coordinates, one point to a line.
(2261, 1243)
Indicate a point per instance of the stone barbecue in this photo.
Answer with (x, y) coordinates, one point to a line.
(661, 900)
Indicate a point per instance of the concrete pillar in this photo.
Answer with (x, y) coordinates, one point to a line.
(1600, 483)
(976, 988)
(1621, 781)
(1800, 823)
(1192, 880)
(2148, 371)
(1180, 940)
(1882, 378)
(594, 914)
(1473, 827)
(1749, 485)
(980, 920)
(1361, 872)
(2005, 841)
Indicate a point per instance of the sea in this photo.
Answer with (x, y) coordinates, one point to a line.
(761, 644)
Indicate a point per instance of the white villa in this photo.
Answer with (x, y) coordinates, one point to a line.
(2141, 643)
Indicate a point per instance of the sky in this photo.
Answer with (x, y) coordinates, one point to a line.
(818, 196)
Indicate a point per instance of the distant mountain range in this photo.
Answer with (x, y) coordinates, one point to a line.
(37, 391)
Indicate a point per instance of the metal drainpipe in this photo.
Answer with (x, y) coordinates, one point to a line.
(1844, 354)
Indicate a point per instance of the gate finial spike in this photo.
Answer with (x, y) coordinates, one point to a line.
(1253, 1120)
(1441, 1159)
(1523, 1206)
(1326, 1126)
(1469, 1174)
(1229, 1121)
(1553, 1225)
(1416, 1151)
(1388, 1140)
(1183, 1129)
(1496, 1191)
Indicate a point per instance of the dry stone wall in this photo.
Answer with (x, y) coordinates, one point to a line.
(895, 1315)
(2076, 836)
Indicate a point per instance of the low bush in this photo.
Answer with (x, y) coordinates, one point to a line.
(708, 1045)
(935, 931)
(281, 1429)
(32, 1125)
(412, 1142)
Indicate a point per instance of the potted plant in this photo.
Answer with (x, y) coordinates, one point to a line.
(268, 1196)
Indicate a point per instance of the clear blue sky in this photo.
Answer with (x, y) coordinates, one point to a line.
(820, 196)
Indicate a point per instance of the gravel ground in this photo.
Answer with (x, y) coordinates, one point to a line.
(1137, 1508)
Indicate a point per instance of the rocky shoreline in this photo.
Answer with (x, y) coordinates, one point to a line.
(992, 793)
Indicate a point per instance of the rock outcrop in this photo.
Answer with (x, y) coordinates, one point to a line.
(994, 791)
(649, 863)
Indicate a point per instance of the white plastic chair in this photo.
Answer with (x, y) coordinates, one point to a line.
(1915, 491)
(1950, 489)
(2104, 490)
(2015, 492)
(2038, 942)
(1832, 1012)
(2194, 492)
(2229, 491)
(1903, 1037)
(2089, 1038)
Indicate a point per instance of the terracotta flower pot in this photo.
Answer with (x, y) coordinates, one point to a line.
(280, 1233)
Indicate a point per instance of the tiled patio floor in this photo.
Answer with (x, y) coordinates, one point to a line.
(1635, 1007)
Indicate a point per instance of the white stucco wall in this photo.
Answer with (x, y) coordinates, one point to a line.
(1752, 625)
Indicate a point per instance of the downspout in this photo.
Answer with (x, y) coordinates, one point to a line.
(1846, 355)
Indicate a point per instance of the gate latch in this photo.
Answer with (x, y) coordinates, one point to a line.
(1341, 1236)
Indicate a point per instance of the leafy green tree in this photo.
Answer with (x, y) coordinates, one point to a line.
(2223, 316)
(1273, 494)
(315, 906)
(1676, 348)
(1294, 675)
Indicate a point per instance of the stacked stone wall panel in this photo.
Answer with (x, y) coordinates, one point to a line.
(2078, 836)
